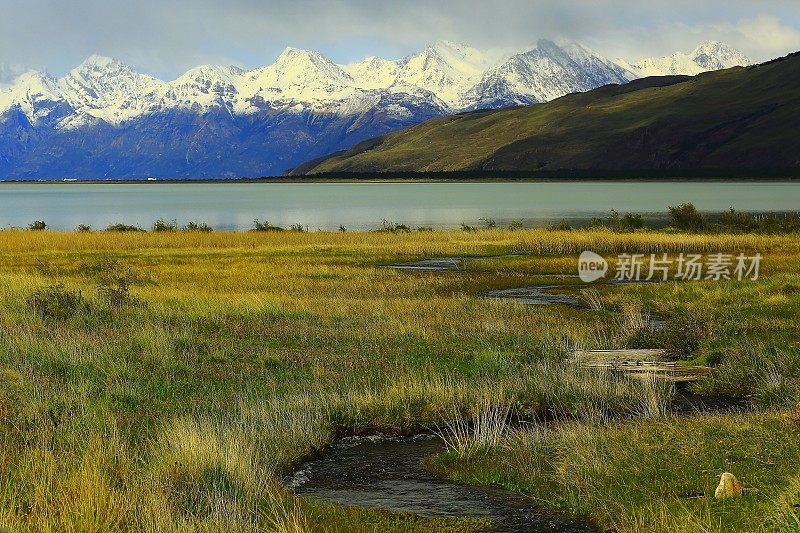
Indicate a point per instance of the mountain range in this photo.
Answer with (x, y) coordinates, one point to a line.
(104, 120)
(738, 122)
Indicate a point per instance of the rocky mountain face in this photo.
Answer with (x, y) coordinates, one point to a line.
(104, 120)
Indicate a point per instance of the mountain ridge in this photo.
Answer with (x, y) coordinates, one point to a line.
(269, 118)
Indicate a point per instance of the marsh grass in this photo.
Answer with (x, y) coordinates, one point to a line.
(650, 475)
(255, 350)
(593, 298)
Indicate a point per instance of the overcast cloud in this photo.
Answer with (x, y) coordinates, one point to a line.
(166, 37)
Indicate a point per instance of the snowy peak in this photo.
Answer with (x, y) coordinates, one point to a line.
(203, 87)
(99, 63)
(714, 55)
(678, 63)
(107, 89)
(446, 69)
(35, 94)
(595, 63)
(543, 73)
(461, 57)
(711, 55)
(373, 72)
(295, 65)
(297, 76)
(211, 74)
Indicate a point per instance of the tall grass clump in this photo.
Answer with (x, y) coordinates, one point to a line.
(681, 336)
(593, 299)
(769, 374)
(203, 472)
(287, 516)
(485, 429)
(655, 397)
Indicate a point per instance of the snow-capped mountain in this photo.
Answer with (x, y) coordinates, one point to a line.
(546, 72)
(446, 69)
(107, 89)
(711, 55)
(373, 72)
(103, 119)
(298, 76)
(203, 88)
(714, 55)
(37, 96)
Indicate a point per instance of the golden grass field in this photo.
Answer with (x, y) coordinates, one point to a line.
(178, 402)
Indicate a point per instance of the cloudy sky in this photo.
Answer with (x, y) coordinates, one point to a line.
(166, 37)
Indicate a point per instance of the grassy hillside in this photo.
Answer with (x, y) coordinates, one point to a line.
(741, 118)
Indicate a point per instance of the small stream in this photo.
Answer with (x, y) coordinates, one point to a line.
(390, 473)
(536, 295)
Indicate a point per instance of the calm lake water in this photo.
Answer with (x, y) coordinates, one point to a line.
(366, 205)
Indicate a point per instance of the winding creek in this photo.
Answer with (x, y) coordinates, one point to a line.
(391, 473)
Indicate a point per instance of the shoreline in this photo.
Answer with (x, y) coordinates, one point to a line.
(378, 180)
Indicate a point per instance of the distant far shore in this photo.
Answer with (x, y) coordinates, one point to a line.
(671, 175)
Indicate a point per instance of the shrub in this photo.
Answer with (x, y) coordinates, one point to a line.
(342, 228)
(631, 221)
(465, 227)
(164, 225)
(562, 225)
(681, 336)
(83, 228)
(56, 302)
(201, 227)
(489, 222)
(686, 217)
(264, 226)
(37, 225)
(777, 223)
(298, 228)
(390, 227)
(617, 222)
(117, 294)
(516, 225)
(737, 221)
(123, 228)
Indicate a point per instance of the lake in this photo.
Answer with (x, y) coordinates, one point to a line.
(365, 205)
